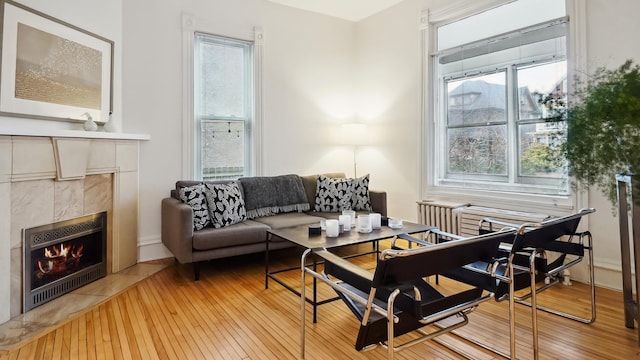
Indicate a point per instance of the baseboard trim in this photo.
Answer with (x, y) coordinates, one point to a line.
(152, 248)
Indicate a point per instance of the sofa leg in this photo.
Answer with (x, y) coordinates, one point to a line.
(196, 271)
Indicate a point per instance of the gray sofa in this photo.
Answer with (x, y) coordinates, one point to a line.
(248, 236)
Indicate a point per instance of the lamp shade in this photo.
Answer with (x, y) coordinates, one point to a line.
(354, 134)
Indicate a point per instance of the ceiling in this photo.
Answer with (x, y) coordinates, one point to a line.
(353, 10)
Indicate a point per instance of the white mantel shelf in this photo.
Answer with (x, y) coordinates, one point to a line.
(73, 134)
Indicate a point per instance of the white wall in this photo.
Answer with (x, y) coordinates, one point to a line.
(389, 101)
(611, 31)
(308, 65)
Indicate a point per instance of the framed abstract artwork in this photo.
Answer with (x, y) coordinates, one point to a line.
(51, 69)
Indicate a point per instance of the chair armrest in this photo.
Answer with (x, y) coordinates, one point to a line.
(338, 266)
(491, 222)
(410, 239)
(444, 236)
(177, 229)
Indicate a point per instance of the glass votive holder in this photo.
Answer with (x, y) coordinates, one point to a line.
(395, 223)
(345, 221)
(333, 228)
(323, 224)
(376, 220)
(364, 223)
(351, 213)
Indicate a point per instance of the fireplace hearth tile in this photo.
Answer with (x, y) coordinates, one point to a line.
(15, 278)
(36, 203)
(97, 194)
(16, 331)
(68, 199)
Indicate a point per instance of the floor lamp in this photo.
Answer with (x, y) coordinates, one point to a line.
(355, 134)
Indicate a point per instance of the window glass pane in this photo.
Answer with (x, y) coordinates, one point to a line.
(542, 90)
(499, 20)
(222, 149)
(477, 100)
(222, 77)
(478, 150)
(539, 149)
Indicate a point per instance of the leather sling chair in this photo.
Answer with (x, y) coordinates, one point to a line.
(395, 298)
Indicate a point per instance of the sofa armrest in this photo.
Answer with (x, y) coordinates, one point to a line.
(177, 229)
(378, 201)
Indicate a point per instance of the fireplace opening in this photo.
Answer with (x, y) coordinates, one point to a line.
(63, 256)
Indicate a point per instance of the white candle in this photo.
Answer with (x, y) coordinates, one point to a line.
(364, 223)
(333, 228)
(375, 220)
(345, 220)
(351, 213)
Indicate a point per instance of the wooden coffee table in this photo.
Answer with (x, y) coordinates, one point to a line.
(299, 235)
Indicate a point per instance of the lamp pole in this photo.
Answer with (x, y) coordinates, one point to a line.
(355, 134)
(355, 148)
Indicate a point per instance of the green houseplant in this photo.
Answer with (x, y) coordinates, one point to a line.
(603, 128)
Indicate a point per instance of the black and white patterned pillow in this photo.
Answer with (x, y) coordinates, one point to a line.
(360, 199)
(194, 197)
(333, 194)
(226, 205)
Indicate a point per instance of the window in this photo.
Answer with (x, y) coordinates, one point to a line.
(223, 107)
(499, 95)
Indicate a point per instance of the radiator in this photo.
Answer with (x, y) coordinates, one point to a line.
(469, 218)
(441, 214)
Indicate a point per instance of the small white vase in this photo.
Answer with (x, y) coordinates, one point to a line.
(90, 125)
(111, 126)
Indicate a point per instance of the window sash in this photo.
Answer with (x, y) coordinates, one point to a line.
(514, 179)
(215, 158)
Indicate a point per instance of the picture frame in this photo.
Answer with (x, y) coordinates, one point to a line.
(52, 70)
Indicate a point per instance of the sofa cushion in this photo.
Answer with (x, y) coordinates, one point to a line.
(310, 183)
(360, 199)
(287, 220)
(195, 198)
(333, 194)
(244, 233)
(270, 195)
(226, 206)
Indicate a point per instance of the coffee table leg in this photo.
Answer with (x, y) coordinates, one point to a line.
(266, 262)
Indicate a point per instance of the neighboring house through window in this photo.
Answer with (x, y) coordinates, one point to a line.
(498, 88)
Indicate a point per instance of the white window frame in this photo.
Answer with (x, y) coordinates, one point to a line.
(576, 55)
(190, 152)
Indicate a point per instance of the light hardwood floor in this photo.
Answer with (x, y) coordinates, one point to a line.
(229, 314)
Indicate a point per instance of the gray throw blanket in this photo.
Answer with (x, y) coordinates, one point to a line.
(270, 195)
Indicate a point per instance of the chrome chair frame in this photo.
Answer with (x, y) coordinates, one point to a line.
(584, 244)
(533, 241)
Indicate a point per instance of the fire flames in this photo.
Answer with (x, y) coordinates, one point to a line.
(60, 258)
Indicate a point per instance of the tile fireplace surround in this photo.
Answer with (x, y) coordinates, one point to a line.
(44, 179)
